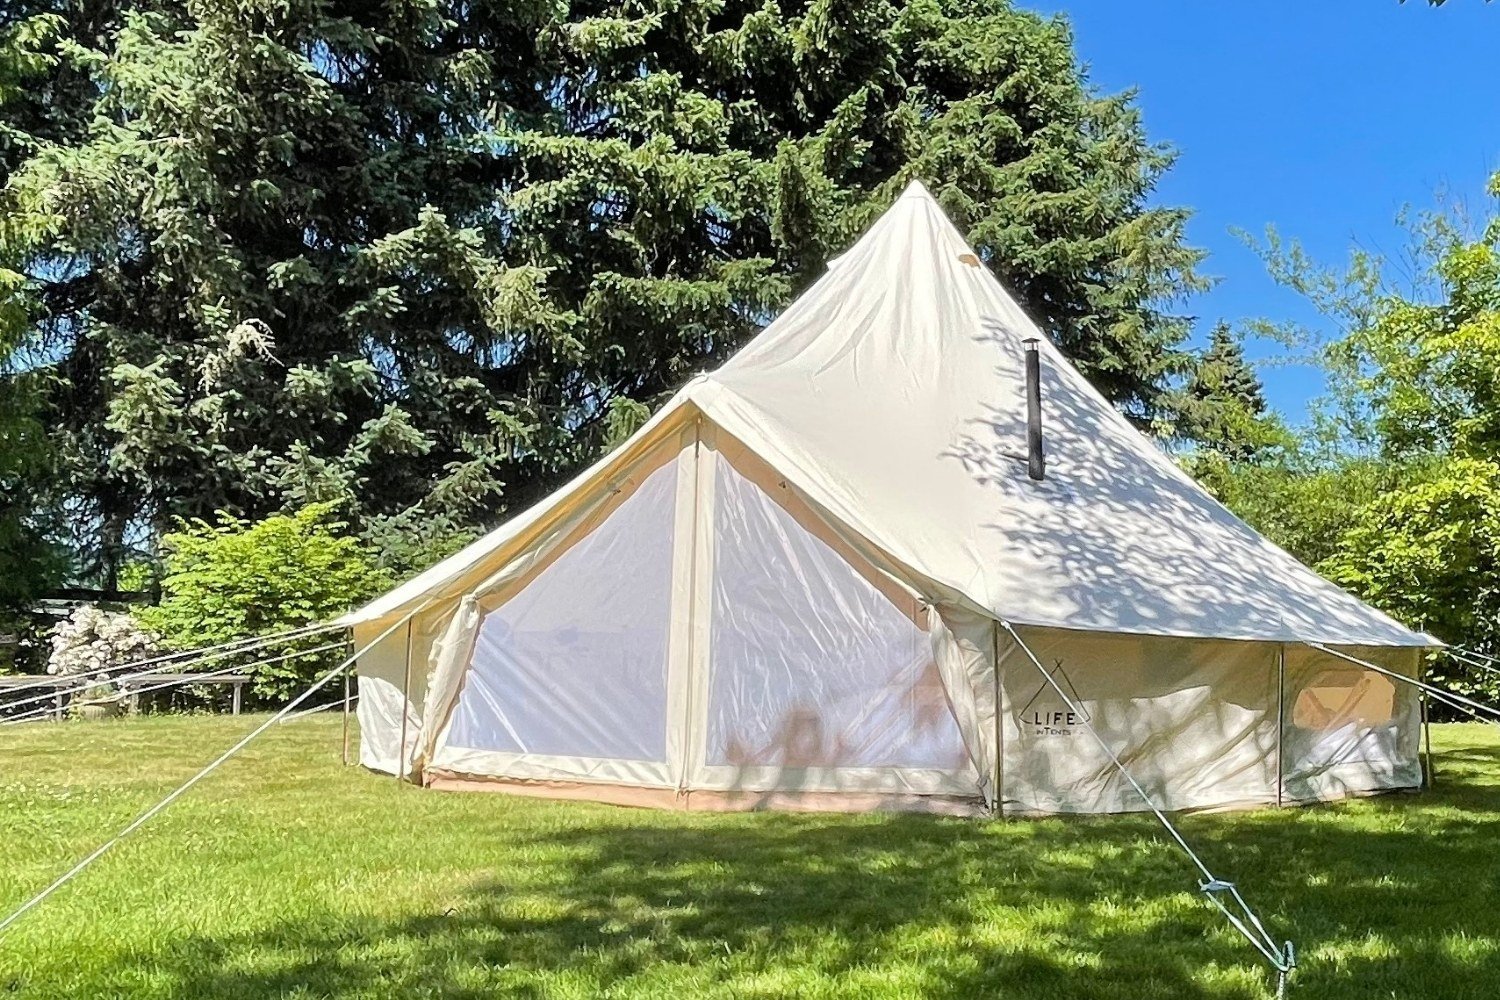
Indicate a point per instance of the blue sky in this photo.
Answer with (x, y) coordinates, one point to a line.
(1322, 117)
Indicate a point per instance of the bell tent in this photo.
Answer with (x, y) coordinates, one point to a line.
(824, 576)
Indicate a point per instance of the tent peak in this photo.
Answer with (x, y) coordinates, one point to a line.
(916, 189)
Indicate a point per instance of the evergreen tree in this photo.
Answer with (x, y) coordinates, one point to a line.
(29, 560)
(1223, 373)
(423, 259)
(1224, 405)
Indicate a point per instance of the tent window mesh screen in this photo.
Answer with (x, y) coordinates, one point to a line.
(1337, 696)
(1347, 728)
(575, 663)
(811, 664)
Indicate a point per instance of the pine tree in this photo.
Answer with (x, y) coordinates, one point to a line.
(1224, 408)
(1224, 373)
(423, 260)
(721, 152)
(30, 562)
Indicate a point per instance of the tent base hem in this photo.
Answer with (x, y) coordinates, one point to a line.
(791, 800)
(1013, 810)
(707, 800)
(1353, 793)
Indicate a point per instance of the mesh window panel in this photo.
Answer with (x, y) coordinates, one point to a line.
(811, 665)
(1348, 728)
(575, 664)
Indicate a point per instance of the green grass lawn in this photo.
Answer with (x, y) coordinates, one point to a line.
(287, 875)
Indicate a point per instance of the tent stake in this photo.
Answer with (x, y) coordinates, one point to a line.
(1281, 956)
(405, 707)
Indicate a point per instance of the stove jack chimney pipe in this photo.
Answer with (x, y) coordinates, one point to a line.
(1036, 461)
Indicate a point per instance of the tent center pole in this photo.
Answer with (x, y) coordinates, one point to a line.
(405, 707)
(1280, 720)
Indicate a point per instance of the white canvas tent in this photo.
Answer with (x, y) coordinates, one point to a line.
(796, 586)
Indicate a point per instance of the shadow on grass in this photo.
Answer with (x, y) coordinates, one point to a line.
(1385, 897)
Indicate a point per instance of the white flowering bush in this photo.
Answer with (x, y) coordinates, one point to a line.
(92, 639)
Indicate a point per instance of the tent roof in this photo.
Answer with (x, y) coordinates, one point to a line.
(891, 394)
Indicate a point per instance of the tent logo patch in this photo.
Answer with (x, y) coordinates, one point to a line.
(1048, 715)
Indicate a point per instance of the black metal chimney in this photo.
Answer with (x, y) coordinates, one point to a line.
(1036, 460)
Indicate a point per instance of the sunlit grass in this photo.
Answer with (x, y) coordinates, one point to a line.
(287, 875)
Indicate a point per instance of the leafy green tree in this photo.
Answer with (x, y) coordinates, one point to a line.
(1409, 503)
(421, 261)
(1429, 553)
(1222, 405)
(1226, 432)
(721, 153)
(1225, 404)
(30, 561)
(39, 100)
(231, 578)
(1428, 369)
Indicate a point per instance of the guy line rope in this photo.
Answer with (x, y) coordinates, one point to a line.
(182, 789)
(1473, 652)
(33, 714)
(318, 708)
(179, 661)
(1283, 957)
(1473, 660)
(193, 654)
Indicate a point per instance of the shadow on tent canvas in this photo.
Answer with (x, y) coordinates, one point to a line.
(1111, 528)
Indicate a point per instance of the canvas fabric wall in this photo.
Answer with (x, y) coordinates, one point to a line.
(387, 692)
(801, 672)
(890, 395)
(1196, 723)
(1350, 730)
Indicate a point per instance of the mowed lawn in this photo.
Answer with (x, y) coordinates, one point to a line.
(288, 875)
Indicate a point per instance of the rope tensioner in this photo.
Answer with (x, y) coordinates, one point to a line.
(1283, 956)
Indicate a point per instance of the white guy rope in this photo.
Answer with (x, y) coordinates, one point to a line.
(1282, 957)
(1474, 652)
(184, 659)
(1466, 659)
(38, 714)
(319, 708)
(146, 816)
(1458, 701)
(46, 710)
(192, 654)
(86, 681)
